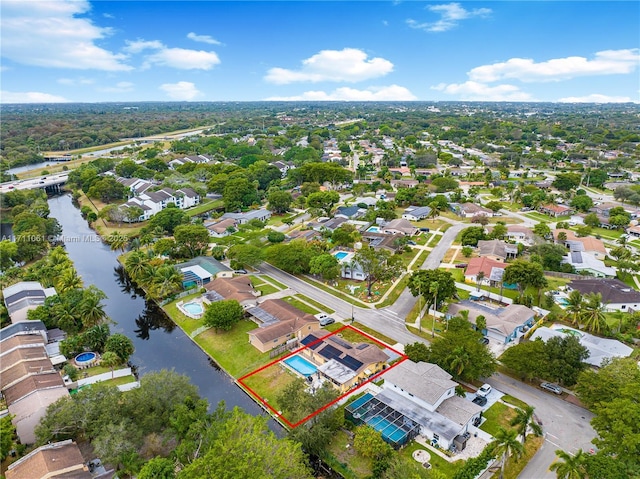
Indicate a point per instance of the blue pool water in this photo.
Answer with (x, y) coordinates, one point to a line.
(301, 365)
(341, 255)
(562, 301)
(84, 358)
(374, 229)
(388, 430)
(193, 308)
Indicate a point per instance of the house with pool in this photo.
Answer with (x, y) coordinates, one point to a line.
(342, 363)
(417, 399)
(349, 268)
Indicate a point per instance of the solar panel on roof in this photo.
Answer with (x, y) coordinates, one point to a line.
(213, 296)
(362, 346)
(341, 342)
(329, 352)
(262, 315)
(308, 339)
(350, 362)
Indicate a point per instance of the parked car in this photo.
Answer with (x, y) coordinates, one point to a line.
(554, 388)
(479, 400)
(484, 390)
(426, 230)
(240, 271)
(484, 340)
(461, 265)
(322, 316)
(412, 243)
(327, 321)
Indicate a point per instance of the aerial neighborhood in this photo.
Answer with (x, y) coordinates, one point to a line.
(402, 290)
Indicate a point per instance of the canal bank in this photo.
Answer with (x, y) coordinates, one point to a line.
(159, 344)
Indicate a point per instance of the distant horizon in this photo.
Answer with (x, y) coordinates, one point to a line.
(90, 51)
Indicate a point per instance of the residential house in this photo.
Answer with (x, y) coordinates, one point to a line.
(332, 224)
(616, 295)
(350, 212)
(200, 270)
(423, 395)
(497, 250)
(350, 269)
(519, 234)
(404, 183)
(284, 167)
(238, 288)
(587, 244)
(24, 296)
(370, 201)
(243, 218)
(587, 263)
(491, 270)
(279, 322)
(556, 210)
(306, 235)
(381, 241)
(416, 213)
(400, 226)
(469, 210)
(136, 186)
(600, 349)
(503, 324)
(28, 380)
(221, 228)
(152, 202)
(341, 362)
(633, 231)
(56, 460)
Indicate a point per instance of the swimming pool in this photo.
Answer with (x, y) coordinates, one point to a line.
(374, 229)
(85, 359)
(341, 255)
(193, 308)
(562, 301)
(389, 432)
(301, 365)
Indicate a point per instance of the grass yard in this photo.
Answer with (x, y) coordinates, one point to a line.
(446, 468)
(349, 334)
(231, 349)
(375, 334)
(448, 257)
(120, 381)
(514, 401)
(513, 467)
(497, 416)
(421, 259)
(269, 279)
(300, 305)
(395, 293)
(346, 460)
(343, 296)
(187, 324)
(313, 302)
(206, 205)
(434, 240)
(270, 382)
(433, 224)
(457, 273)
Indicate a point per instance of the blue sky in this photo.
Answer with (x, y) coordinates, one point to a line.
(103, 51)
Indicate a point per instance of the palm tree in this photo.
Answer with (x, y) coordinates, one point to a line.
(574, 307)
(507, 443)
(433, 289)
(568, 466)
(91, 309)
(167, 281)
(479, 279)
(110, 360)
(67, 280)
(594, 312)
(435, 210)
(524, 420)
(135, 263)
(459, 359)
(119, 241)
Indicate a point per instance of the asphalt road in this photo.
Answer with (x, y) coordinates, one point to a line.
(565, 425)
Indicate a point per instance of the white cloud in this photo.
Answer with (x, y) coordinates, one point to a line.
(50, 34)
(30, 97)
(120, 87)
(183, 90)
(608, 62)
(474, 91)
(76, 81)
(180, 58)
(597, 98)
(450, 16)
(347, 65)
(203, 38)
(385, 93)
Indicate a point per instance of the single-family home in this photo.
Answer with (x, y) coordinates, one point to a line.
(616, 295)
(416, 213)
(221, 228)
(587, 244)
(556, 210)
(503, 324)
(342, 363)
(56, 460)
(587, 263)
(497, 250)
(278, 323)
(332, 224)
(284, 167)
(350, 212)
(200, 270)
(306, 235)
(381, 241)
(243, 218)
(349, 268)
(396, 184)
(238, 288)
(491, 270)
(21, 297)
(469, 210)
(420, 399)
(633, 231)
(520, 234)
(400, 226)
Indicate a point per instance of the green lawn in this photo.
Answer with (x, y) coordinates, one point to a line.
(364, 329)
(206, 205)
(313, 302)
(231, 349)
(421, 259)
(187, 324)
(446, 468)
(514, 401)
(343, 296)
(457, 273)
(350, 335)
(269, 279)
(300, 305)
(270, 382)
(346, 460)
(514, 468)
(497, 416)
(395, 293)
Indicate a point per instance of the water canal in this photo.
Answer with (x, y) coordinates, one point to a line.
(159, 343)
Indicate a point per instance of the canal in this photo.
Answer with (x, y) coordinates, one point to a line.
(159, 343)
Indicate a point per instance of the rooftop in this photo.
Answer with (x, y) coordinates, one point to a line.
(426, 381)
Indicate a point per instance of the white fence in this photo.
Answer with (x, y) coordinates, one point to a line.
(119, 373)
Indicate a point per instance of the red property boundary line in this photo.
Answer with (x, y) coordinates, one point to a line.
(279, 416)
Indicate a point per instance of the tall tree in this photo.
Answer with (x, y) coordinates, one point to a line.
(593, 316)
(120, 345)
(569, 466)
(506, 444)
(378, 265)
(525, 420)
(324, 201)
(223, 315)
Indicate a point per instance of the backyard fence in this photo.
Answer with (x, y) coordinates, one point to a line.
(557, 274)
(277, 351)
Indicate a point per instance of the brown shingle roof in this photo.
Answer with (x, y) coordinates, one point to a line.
(281, 329)
(238, 288)
(20, 340)
(283, 310)
(61, 459)
(30, 384)
(22, 369)
(22, 354)
(612, 290)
